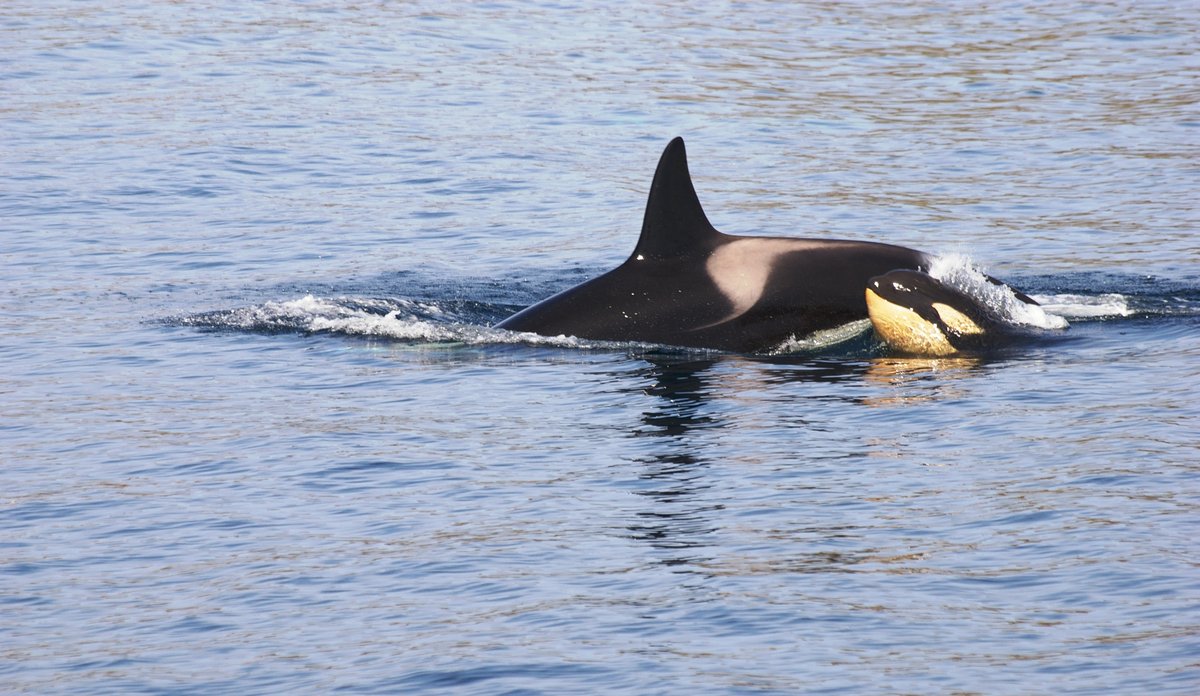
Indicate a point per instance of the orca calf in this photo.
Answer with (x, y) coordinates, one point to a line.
(915, 313)
(687, 284)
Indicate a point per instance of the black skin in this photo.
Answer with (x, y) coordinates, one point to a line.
(664, 294)
(674, 302)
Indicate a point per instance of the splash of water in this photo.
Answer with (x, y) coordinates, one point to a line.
(822, 340)
(959, 272)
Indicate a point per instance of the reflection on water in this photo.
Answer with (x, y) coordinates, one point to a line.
(695, 400)
(678, 517)
(817, 561)
(684, 470)
(917, 380)
(897, 370)
(683, 389)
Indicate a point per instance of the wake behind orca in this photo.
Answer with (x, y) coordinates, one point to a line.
(687, 284)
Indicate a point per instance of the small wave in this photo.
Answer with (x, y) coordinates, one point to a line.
(314, 314)
(822, 340)
(959, 272)
(1074, 306)
(399, 319)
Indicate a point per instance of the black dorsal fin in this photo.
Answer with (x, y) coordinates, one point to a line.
(675, 225)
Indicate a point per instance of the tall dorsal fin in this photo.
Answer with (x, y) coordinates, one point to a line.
(675, 225)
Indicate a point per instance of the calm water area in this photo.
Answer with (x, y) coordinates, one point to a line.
(257, 435)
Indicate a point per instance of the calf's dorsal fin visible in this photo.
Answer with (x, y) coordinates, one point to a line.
(675, 224)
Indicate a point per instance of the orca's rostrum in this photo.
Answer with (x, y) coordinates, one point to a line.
(687, 284)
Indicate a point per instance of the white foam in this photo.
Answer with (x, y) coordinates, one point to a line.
(401, 324)
(1074, 306)
(403, 320)
(390, 325)
(821, 340)
(957, 271)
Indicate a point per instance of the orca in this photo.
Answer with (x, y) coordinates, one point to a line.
(915, 313)
(687, 284)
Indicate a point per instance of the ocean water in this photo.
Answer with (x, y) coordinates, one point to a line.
(257, 435)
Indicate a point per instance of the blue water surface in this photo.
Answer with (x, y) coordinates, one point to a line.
(257, 437)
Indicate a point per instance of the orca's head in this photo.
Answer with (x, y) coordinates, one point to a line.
(916, 313)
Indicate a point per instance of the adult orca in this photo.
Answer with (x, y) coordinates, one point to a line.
(687, 284)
